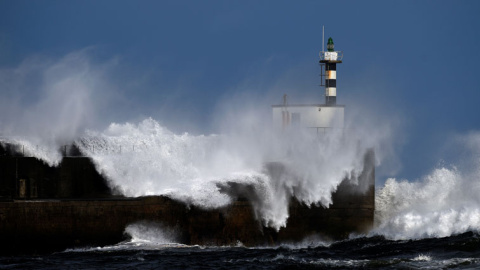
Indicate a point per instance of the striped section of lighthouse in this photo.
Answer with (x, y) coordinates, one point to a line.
(330, 58)
(330, 83)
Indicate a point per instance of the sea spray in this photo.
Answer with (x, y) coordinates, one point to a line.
(441, 204)
(151, 233)
(46, 102)
(46, 151)
(148, 159)
(69, 94)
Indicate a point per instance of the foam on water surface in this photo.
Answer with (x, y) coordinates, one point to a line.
(443, 203)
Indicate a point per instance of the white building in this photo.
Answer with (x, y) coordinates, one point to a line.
(318, 117)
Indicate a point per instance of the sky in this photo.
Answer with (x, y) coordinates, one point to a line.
(413, 62)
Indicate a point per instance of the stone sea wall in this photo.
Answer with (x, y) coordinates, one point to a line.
(46, 208)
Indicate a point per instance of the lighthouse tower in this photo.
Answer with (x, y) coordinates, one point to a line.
(319, 118)
(328, 62)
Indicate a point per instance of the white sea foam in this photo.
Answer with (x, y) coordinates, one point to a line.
(48, 152)
(443, 203)
(151, 233)
(422, 257)
(143, 236)
(147, 159)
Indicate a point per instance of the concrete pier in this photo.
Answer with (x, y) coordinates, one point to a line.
(44, 209)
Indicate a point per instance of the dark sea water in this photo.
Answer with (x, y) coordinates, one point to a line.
(455, 252)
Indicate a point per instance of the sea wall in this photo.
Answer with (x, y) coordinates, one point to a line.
(44, 208)
(47, 225)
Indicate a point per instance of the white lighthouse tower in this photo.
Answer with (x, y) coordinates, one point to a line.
(317, 117)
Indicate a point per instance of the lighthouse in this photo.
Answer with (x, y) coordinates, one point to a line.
(319, 118)
(328, 62)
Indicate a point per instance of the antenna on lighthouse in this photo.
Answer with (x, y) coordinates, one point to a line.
(323, 38)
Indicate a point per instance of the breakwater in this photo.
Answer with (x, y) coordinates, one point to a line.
(51, 208)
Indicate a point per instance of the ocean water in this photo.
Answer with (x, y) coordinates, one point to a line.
(460, 251)
(432, 222)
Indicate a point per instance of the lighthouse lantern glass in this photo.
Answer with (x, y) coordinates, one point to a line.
(331, 56)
